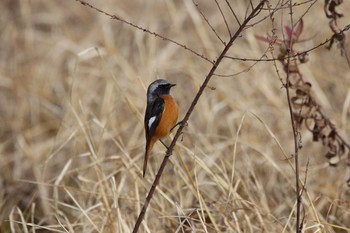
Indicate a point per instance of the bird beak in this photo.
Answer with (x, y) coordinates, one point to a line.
(172, 85)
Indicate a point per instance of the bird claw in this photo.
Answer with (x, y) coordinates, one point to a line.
(177, 124)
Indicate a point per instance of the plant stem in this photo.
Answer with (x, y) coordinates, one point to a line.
(254, 12)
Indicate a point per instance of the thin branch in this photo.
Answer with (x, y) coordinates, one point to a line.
(234, 14)
(279, 6)
(251, 4)
(271, 48)
(285, 5)
(285, 57)
(223, 16)
(256, 60)
(306, 11)
(275, 9)
(114, 17)
(295, 130)
(246, 11)
(189, 112)
(238, 73)
(207, 21)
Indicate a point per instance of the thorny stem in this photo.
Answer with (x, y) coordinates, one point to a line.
(169, 151)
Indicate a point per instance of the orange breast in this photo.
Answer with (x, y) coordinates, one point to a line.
(169, 117)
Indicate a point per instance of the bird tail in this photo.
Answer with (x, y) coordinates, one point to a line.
(149, 147)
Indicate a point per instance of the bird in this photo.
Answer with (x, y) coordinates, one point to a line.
(161, 114)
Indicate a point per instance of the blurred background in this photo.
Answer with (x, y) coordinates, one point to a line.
(72, 97)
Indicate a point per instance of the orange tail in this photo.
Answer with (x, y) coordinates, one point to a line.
(148, 151)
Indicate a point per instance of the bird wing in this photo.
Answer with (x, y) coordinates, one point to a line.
(153, 116)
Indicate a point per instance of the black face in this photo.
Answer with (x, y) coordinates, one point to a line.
(164, 89)
(158, 88)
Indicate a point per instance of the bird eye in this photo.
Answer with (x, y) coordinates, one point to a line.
(168, 85)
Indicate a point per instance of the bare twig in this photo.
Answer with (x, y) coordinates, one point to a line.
(276, 59)
(294, 127)
(189, 112)
(114, 17)
(223, 16)
(234, 14)
(285, 4)
(207, 21)
(313, 2)
(271, 43)
(242, 71)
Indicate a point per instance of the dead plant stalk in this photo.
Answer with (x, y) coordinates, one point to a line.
(255, 12)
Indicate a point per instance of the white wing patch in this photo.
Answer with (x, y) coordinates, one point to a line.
(150, 122)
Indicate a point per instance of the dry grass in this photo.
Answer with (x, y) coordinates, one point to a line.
(72, 92)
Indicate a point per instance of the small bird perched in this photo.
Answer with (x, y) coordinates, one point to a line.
(161, 114)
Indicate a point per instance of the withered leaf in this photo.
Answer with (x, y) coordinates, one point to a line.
(297, 102)
(303, 57)
(330, 154)
(334, 161)
(298, 119)
(315, 133)
(341, 150)
(324, 139)
(320, 123)
(332, 134)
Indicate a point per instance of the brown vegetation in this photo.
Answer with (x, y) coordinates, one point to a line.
(72, 92)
